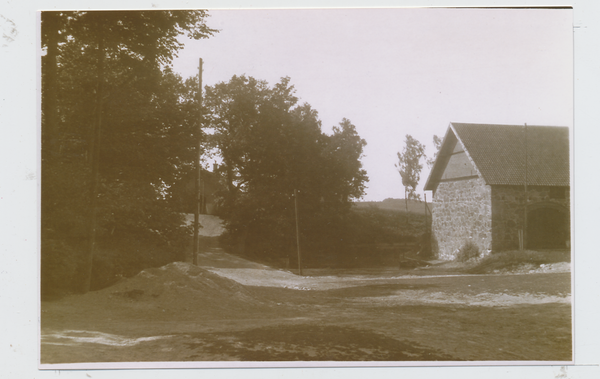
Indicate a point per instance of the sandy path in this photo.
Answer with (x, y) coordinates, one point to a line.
(254, 274)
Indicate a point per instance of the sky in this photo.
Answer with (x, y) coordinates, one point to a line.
(394, 72)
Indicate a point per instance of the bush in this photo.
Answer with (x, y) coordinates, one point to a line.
(468, 251)
(515, 258)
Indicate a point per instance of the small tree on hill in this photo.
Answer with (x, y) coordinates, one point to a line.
(409, 166)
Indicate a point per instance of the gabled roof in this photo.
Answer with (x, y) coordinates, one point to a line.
(498, 152)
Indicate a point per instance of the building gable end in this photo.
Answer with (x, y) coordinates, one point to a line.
(452, 163)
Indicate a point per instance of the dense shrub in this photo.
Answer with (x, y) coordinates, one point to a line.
(117, 255)
(469, 250)
(364, 236)
(375, 225)
(125, 254)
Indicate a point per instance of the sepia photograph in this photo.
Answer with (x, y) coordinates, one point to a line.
(306, 187)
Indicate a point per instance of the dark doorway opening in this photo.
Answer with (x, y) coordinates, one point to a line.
(548, 228)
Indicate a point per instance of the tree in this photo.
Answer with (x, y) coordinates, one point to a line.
(409, 166)
(437, 143)
(115, 125)
(271, 146)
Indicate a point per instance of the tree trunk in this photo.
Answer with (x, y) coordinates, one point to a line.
(95, 144)
(50, 88)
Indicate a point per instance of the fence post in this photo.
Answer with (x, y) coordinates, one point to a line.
(297, 232)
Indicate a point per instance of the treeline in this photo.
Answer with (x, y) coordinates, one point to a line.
(120, 130)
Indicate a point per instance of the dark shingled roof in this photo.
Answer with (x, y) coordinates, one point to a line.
(498, 151)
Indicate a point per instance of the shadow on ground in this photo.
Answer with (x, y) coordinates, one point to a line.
(310, 343)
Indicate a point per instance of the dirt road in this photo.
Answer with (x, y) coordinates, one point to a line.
(231, 309)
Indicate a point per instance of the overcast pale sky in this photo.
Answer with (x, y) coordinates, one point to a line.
(394, 72)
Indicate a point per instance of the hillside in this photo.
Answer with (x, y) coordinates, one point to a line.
(396, 205)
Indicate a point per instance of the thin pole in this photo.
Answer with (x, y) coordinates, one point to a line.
(49, 93)
(424, 242)
(425, 197)
(406, 204)
(297, 232)
(198, 172)
(526, 195)
(95, 163)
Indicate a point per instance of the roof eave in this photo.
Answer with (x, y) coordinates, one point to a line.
(430, 183)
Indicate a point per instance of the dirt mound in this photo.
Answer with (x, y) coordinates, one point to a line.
(178, 287)
(179, 282)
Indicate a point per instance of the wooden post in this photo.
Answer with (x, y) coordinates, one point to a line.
(198, 172)
(406, 205)
(520, 235)
(297, 232)
(425, 197)
(524, 237)
(425, 241)
(203, 194)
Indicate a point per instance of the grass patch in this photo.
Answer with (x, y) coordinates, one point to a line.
(512, 259)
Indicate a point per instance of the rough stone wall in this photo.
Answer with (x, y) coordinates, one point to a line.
(507, 211)
(462, 210)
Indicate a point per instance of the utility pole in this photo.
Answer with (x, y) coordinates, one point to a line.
(428, 229)
(526, 195)
(425, 197)
(95, 146)
(406, 204)
(297, 232)
(198, 172)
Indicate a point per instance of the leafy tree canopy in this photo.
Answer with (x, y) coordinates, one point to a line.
(110, 97)
(148, 37)
(271, 145)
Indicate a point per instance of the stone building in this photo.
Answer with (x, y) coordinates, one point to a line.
(479, 182)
